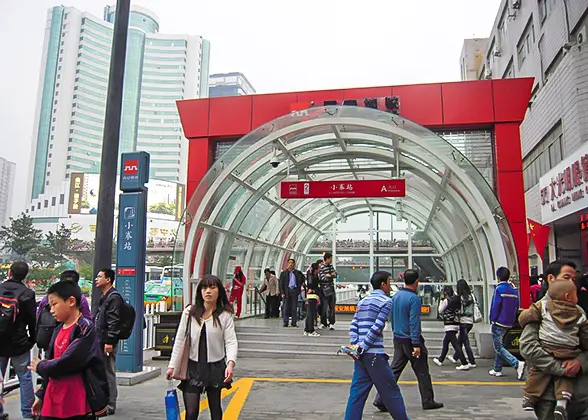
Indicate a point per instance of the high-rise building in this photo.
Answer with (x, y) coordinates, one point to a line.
(160, 69)
(7, 172)
(547, 40)
(229, 84)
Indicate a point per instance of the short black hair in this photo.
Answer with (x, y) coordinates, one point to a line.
(292, 259)
(273, 272)
(315, 266)
(411, 276)
(554, 267)
(66, 289)
(70, 275)
(19, 270)
(327, 256)
(503, 274)
(267, 270)
(109, 274)
(379, 278)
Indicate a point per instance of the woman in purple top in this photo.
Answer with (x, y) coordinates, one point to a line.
(70, 275)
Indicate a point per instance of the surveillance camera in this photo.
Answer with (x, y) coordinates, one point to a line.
(274, 162)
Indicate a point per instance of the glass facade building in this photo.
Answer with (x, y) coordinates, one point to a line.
(160, 69)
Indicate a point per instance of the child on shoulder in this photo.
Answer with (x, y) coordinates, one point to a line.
(74, 376)
(563, 332)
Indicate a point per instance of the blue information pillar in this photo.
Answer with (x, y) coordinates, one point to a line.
(131, 252)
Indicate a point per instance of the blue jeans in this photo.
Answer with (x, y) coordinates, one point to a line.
(373, 369)
(25, 378)
(498, 334)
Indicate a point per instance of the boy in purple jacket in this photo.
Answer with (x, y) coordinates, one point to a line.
(503, 315)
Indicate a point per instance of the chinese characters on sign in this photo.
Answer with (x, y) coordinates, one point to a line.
(564, 188)
(76, 189)
(344, 189)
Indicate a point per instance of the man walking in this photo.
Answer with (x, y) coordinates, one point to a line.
(108, 329)
(290, 284)
(371, 366)
(270, 284)
(327, 278)
(503, 315)
(17, 334)
(409, 344)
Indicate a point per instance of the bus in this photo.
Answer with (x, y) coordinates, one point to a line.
(153, 274)
(173, 274)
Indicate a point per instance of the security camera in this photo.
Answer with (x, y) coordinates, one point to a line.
(274, 162)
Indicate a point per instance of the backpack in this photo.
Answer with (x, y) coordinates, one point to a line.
(9, 309)
(127, 319)
(46, 324)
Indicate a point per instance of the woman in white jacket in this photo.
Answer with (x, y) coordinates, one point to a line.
(213, 348)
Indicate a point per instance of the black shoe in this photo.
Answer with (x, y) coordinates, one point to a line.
(295, 325)
(4, 416)
(285, 325)
(380, 407)
(560, 413)
(528, 405)
(266, 317)
(110, 411)
(432, 406)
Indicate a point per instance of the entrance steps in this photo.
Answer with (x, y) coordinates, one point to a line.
(267, 338)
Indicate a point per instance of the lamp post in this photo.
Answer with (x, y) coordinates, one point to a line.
(110, 144)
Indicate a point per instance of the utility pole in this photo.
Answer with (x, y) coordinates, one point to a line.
(110, 143)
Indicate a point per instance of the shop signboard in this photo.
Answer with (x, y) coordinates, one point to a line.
(564, 189)
(344, 188)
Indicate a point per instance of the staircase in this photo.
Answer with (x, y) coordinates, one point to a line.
(267, 338)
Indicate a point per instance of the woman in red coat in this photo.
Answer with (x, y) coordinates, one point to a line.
(237, 291)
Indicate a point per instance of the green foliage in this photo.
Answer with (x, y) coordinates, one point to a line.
(55, 246)
(86, 271)
(163, 208)
(20, 236)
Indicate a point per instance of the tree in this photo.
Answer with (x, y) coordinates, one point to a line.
(86, 271)
(52, 252)
(163, 208)
(21, 237)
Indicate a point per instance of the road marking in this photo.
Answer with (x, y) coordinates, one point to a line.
(348, 381)
(241, 389)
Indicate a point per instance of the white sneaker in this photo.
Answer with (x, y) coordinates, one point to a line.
(305, 333)
(331, 327)
(462, 367)
(521, 371)
(320, 327)
(313, 334)
(452, 360)
(472, 365)
(437, 362)
(497, 374)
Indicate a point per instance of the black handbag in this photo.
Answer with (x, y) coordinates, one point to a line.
(328, 289)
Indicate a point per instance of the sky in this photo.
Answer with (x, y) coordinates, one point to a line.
(279, 45)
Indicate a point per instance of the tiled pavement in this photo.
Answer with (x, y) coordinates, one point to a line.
(326, 401)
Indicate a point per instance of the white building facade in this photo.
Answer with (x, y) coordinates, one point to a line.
(7, 174)
(69, 123)
(546, 39)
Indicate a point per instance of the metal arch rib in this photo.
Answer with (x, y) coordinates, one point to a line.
(271, 201)
(442, 186)
(244, 237)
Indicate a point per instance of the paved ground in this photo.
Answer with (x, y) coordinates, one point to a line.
(318, 389)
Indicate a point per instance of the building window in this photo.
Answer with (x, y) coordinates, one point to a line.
(50, 146)
(53, 201)
(46, 204)
(544, 156)
(49, 164)
(490, 56)
(526, 41)
(544, 9)
(50, 155)
(39, 205)
(62, 199)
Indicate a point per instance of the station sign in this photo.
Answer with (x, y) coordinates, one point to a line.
(564, 189)
(344, 189)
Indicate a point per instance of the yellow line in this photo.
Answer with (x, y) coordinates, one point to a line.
(11, 397)
(238, 401)
(348, 381)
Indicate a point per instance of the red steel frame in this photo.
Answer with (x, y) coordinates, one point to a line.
(496, 104)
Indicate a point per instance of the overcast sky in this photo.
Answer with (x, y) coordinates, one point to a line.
(279, 45)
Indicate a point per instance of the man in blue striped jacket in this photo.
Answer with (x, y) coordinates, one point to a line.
(371, 367)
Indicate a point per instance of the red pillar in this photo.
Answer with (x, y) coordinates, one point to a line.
(511, 193)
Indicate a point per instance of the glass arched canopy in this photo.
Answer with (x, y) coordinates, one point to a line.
(236, 208)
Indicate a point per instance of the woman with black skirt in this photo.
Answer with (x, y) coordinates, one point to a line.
(208, 324)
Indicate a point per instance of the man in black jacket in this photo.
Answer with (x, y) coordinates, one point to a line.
(108, 328)
(290, 283)
(16, 344)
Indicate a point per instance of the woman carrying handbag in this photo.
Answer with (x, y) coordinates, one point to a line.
(205, 349)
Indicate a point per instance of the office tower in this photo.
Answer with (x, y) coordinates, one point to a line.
(229, 84)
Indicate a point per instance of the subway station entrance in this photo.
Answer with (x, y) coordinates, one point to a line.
(455, 146)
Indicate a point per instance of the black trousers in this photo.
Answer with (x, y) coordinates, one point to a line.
(420, 367)
(464, 341)
(328, 315)
(291, 306)
(451, 337)
(271, 306)
(310, 316)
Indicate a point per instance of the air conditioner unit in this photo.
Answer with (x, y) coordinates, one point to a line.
(516, 4)
(581, 38)
(487, 74)
(496, 52)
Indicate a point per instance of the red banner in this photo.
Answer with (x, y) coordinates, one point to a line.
(344, 189)
(540, 236)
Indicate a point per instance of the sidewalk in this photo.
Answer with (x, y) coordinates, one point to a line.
(318, 390)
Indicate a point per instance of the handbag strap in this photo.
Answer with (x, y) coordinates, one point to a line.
(189, 324)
